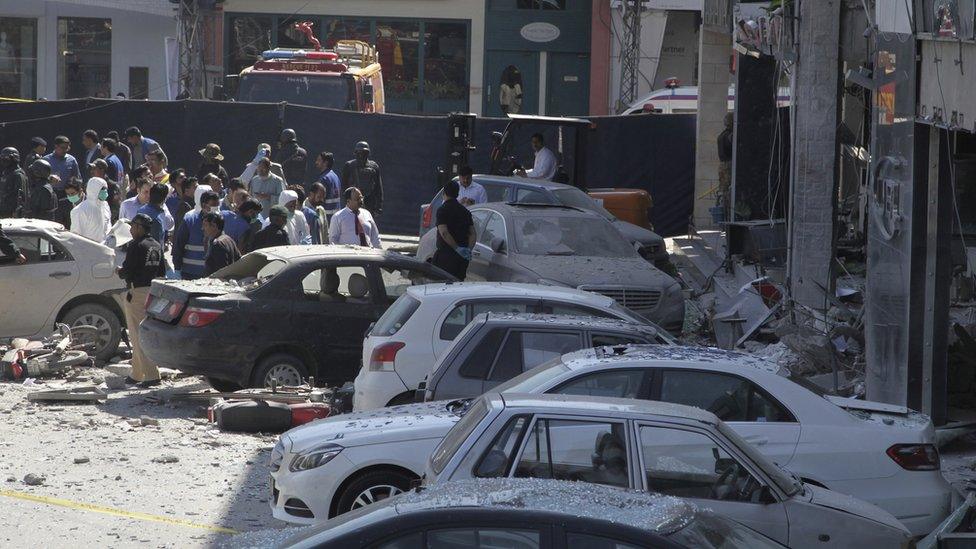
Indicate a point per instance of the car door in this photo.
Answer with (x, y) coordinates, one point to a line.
(524, 349)
(50, 275)
(486, 263)
(684, 462)
(753, 413)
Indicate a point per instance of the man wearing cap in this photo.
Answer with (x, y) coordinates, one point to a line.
(212, 164)
(274, 233)
(364, 174)
(292, 157)
(140, 145)
(38, 150)
(13, 182)
(42, 202)
(143, 262)
(354, 224)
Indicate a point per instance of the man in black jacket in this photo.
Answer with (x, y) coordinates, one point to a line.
(364, 174)
(13, 182)
(143, 262)
(274, 234)
(41, 202)
(221, 249)
(9, 250)
(292, 157)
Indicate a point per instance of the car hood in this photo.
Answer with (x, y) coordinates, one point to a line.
(574, 271)
(853, 506)
(393, 424)
(633, 233)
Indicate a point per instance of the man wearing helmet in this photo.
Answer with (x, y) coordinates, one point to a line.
(41, 203)
(364, 174)
(13, 182)
(292, 157)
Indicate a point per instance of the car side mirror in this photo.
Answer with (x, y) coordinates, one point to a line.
(368, 93)
(498, 245)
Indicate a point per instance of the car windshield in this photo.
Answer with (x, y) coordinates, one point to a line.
(785, 481)
(458, 434)
(578, 199)
(331, 92)
(568, 236)
(252, 271)
(530, 381)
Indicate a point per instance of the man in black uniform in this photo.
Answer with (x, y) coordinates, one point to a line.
(9, 250)
(143, 262)
(38, 149)
(41, 202)
(13, 182)
(274, 234)
(292, 157)
(455, 234)
(364, 174)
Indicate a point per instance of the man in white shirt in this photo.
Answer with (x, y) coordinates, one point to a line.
(545, 161)
(354, 224)
(471, 193)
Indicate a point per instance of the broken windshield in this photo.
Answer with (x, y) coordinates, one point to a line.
(568, 236)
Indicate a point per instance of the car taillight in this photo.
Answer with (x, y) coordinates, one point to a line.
(196, 317)
(382, 357)
(915, 457)
(428, 215)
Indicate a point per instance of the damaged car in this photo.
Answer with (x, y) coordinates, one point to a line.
(280, 314)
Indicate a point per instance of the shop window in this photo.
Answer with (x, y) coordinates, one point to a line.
(85, 61)
(445, 66)
(249, 36)
(398, 44)
(348, 29)
(18, 57)
(138, 82)
(541, 4)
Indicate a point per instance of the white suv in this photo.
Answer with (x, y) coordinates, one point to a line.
(67, 278)
(403, 345)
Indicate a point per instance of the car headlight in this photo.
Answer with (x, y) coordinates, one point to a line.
(316, 457)
(550, 282)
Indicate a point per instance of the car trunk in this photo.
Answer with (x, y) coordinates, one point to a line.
(168, 299)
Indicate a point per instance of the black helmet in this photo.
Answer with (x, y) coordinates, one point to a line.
(362, 146)
(40, 169)
(9, 154)
(287, 135)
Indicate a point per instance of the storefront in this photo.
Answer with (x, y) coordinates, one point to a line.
(70, 49)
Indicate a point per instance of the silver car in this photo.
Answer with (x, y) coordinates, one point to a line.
(657, 447)
(565, 246)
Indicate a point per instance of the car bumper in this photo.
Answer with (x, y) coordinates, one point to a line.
(920, 500)
(198, 351)
(374, 389)
(304, 497)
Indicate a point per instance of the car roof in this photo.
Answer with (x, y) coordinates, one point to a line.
(565, 321)
(329, 250)
(564, 403)
(667, 355)
(506, 289)
(538, 210)
(524, 181)
(31, 225)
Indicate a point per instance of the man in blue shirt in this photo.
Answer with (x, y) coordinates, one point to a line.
(330, 180)
(156, 212)
(62, 164)
(141, 146)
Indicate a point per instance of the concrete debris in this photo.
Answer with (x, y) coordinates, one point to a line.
(146, 420)
(165, 458)
(32, 479)
(114, 382)
(80, 460)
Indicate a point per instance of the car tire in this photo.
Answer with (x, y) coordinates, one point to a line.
(107, 326)
(287, 368)
(371, 487)
(223, 385)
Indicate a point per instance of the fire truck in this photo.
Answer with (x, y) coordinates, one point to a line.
(347, 77)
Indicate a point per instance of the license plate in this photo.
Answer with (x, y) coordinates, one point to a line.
(158, 305)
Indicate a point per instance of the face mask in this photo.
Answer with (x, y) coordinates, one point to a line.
(103, 194)
(74, 198)
(290, 215)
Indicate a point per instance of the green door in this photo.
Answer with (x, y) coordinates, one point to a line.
(568, 84)
(511, 77)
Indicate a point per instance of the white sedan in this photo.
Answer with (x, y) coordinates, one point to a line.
(884, 456)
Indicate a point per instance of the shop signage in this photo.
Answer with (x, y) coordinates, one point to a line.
(540, 32)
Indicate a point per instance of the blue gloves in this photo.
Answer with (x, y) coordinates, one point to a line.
(173, 275)
(464, 252)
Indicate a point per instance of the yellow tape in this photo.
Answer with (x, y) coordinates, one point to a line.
(110, 511)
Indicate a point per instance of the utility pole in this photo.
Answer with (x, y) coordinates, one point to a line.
(630, 54)
(191, 71)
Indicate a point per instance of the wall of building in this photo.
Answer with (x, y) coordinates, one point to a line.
(138, 40)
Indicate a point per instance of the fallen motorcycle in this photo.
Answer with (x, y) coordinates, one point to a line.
(66, 348)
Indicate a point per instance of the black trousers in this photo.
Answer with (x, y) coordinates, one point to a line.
(450, 261)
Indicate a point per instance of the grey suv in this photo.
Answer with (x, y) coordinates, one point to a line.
(496, 347)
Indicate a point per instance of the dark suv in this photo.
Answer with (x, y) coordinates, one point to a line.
(282, 314)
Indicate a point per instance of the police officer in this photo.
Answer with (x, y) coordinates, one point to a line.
(13, 182)
(41, 202)
(292, 157)
(143, 262)
(364, 174)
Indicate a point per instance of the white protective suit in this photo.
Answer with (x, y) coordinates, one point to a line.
(297, 226)
(92, 218)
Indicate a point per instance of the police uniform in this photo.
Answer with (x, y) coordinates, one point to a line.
(143, 262)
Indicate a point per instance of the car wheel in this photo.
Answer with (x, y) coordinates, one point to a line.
(285, 369)
(372, 487)
(108, 329)
(223, 385)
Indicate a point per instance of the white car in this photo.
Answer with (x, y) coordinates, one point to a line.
(67, 278)
(658, 447)
(884, 457)
(401, 348)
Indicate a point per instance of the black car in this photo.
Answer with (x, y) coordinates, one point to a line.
(529, 514)
(283, 314)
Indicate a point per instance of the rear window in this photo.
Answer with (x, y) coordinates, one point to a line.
(396, 316)
(458, 434)
(252, 271)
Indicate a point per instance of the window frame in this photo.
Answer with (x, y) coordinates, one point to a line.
(55, 245)
(519, 330)
(468, 316)
(643, 393)
(484, 229)
(377, 293)
(639, 340)
(658, 383)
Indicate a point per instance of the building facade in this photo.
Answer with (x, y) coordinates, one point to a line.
(95, 48)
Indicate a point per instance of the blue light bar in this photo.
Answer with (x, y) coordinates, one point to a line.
(282, 54)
